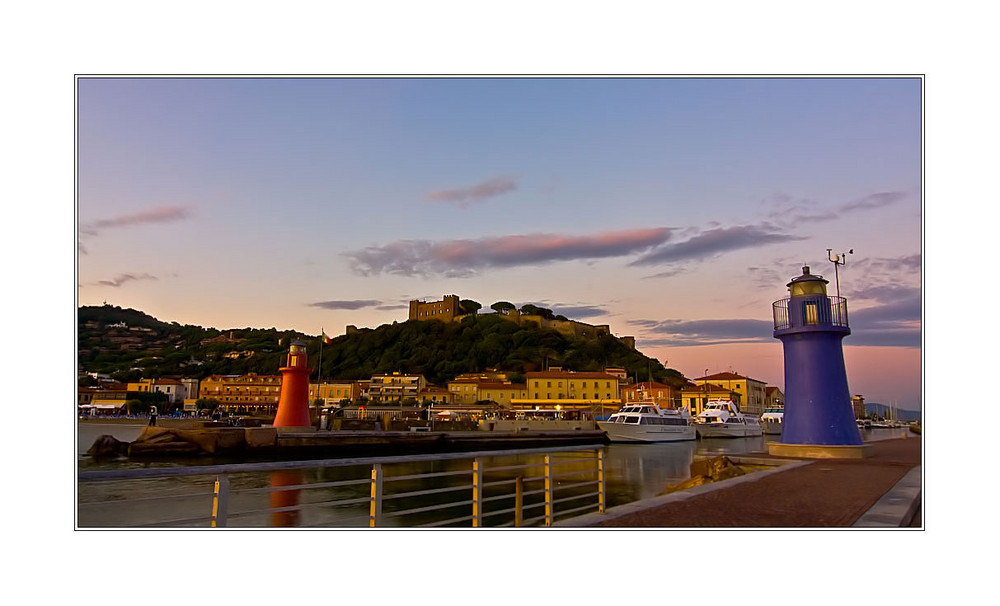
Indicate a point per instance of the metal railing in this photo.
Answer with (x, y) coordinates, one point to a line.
(478, 489)
(820, 311)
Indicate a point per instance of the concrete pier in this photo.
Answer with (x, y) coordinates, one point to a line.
(882, 490)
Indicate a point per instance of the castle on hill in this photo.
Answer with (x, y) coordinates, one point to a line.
(448, 309)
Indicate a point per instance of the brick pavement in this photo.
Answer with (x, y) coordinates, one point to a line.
(822, 494)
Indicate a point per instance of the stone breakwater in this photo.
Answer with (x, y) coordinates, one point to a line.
(285, 442)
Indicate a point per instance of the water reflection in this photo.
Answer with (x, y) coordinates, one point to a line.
(285, 500)
(632, 472)
(640, 471)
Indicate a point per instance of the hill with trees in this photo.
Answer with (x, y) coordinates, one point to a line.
(129, 344)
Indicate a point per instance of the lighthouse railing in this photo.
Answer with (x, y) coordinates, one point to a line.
(833, 312)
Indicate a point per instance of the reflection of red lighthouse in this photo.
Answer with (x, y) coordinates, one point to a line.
(293, 405)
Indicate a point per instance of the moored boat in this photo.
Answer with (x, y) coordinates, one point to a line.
(647, 422)
(723, 419)
(772, 419)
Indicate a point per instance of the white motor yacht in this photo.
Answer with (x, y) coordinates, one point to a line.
(647, 422)
(723, 419)
(772, 419)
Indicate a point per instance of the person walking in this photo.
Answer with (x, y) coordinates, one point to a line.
(152, 416)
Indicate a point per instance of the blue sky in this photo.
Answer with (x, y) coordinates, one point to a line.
(673, 209)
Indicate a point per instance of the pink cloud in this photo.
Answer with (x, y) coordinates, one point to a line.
(464, 257)
(162, 214)
(477, 193)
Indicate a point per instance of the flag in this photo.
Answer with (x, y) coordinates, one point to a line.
(326, 340)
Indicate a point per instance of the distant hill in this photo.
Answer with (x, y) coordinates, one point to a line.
(130, 344)
(883, 410)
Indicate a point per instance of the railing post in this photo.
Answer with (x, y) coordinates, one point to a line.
(548, 490)
(600, 481)
(519, 501)
(220, 501)
(477, 493)
(375, 511)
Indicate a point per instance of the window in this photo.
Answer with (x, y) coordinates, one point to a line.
(811, 313)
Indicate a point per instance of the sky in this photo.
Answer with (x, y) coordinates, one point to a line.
(673, 209)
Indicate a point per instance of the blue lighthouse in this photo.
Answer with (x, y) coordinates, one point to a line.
(818, 420)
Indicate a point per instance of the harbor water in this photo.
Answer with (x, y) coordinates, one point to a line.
(632, 472)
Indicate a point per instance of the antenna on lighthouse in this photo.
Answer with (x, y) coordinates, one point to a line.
(838, 260)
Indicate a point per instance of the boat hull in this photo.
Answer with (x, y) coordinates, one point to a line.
(728, 430)
(622, 432)
(771, 428)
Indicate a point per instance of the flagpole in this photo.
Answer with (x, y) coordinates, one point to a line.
(319, 375)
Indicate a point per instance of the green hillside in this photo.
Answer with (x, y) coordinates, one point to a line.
(150, 348)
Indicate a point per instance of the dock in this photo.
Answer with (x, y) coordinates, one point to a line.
(288, 443)
(880, 491)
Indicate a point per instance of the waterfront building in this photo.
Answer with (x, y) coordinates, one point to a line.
(819, 420)
(395, 387)
(176, 390)
(773, 397)
(434, 395)
(568, 390)
(752, 391)
(109, 398)
(468, 388)
(502, 393)
(243, 394)
(694, 396)
(665, 396)
(858, 406)
(464, 390)
(334, 392)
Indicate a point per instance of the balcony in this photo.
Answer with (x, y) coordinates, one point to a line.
(818, 311)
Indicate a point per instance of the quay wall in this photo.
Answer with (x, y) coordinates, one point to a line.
(536, 425)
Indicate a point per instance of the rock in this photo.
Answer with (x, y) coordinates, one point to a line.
(706, 471)
(107, 446)
(137, 449)
(688, 483)
(165, 440)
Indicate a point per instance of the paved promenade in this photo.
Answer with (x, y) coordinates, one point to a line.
(880, 491)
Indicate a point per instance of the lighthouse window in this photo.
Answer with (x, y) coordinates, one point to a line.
(811, 313)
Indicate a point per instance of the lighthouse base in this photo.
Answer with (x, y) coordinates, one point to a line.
(820, 451)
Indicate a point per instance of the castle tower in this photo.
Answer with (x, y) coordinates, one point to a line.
(818, 420)
(293, 403)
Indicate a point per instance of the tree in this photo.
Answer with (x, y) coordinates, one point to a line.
(468, 306)
(534, 310)
(502, 306)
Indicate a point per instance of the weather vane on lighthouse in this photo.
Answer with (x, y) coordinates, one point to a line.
(837, 261)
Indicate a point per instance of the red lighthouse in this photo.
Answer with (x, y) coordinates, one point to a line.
(293, 404)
